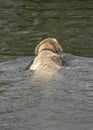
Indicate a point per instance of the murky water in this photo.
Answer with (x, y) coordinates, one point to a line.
(27, 103)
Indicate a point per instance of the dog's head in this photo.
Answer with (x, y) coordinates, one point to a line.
(48, 44)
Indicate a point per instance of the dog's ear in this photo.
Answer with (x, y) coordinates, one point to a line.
(36, 49)
(57, 46)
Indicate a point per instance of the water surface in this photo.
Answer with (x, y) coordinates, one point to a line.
(25, 23)
(64, 103)
(29, 103)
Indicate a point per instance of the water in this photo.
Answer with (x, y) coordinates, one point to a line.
(27, 103)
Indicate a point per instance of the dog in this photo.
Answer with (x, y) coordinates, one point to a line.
(47, 60)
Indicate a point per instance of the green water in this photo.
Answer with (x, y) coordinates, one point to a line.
(24, 23)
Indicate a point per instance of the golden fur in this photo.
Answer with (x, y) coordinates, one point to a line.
(47, 58)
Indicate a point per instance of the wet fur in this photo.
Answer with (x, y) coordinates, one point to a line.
(47, 59)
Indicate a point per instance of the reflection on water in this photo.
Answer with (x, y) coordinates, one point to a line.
(27, 103)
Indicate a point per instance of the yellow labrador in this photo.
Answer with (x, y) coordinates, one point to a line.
(47, 59)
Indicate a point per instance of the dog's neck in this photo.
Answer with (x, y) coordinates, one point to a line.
(46, 49)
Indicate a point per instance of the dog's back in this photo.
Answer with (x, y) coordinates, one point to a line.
(46, 60)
